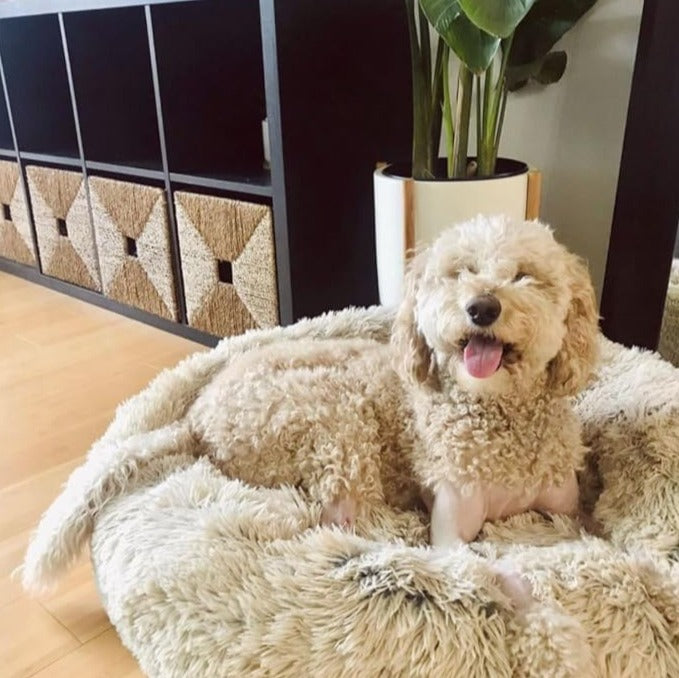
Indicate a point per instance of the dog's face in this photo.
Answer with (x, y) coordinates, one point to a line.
(495, 304)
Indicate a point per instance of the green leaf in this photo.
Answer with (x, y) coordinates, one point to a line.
(543, 26)
(553, 68)
(474, 47)
(517, 85)
(441, 13)
(497, 17)
(547, 70)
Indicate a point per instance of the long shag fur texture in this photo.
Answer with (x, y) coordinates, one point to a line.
(203, 575)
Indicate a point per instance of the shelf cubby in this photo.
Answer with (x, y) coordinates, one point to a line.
(210, 54)
(37, 82)
(63, 226)
(16, 238)
(228, 262)
(132, 227)
(112, 78)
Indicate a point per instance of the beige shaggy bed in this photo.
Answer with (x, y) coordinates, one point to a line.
(206, 576)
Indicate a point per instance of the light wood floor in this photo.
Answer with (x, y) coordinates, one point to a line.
(64, 366)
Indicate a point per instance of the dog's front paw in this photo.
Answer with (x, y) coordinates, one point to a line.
(341, 512)
(513, 585)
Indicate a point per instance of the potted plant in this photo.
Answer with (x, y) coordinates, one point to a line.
(499, 46)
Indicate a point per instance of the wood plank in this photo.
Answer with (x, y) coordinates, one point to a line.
(22, 504)
(76, 604)
(101, 657)
(11, 554)
(533, 194)
(64, 367)
(31, 638)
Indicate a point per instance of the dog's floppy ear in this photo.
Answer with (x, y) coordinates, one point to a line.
(572, 368)
(414, 359)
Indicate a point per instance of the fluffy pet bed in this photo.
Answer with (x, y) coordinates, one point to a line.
(205, 576)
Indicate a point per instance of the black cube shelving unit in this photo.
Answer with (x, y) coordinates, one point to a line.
(37, 85)
(6, 141)
(174, 93)
(113, 82)
(219, 134)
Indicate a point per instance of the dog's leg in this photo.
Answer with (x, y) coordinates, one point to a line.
(455, 518)
(341, 512)
(513, 585)
(562, 499)
(566, 500)
(344, 467)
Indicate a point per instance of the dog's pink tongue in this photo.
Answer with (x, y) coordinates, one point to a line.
(482, 356)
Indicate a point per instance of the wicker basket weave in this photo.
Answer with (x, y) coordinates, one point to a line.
(16, 241)
(133, 241)
(62, 224)
(228, 263)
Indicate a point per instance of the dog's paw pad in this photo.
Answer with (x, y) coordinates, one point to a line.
(340, 512)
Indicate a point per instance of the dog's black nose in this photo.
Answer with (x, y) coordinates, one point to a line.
(483, 310)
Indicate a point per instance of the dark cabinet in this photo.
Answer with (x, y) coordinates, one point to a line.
(176, 96)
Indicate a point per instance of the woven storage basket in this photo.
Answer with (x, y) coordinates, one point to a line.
(668, 346)
(133, 242)
(228, 263)
(62, 224)
(16, 241)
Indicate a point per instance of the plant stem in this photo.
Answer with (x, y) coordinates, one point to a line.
(465, 81)
(483, 147)
(448, 113)
(420, 100)
(437, 103)
(494, 116)
(425, 55)
(506, 49)
(487, 90)
(498, 132)
(502, 95)
(425, 47)
(479, 114)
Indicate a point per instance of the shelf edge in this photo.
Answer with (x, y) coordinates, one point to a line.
(127, 170)
(221, 184)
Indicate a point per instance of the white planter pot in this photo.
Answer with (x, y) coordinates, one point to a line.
(410, 213)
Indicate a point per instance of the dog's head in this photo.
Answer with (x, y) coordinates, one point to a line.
(496, 305)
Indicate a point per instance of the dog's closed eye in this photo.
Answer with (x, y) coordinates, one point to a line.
(460, 270)
(468, 269)
(527, 277)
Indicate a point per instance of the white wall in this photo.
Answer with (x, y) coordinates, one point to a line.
(573, 130)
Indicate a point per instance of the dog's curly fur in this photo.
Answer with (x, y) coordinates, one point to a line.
(355, 422)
